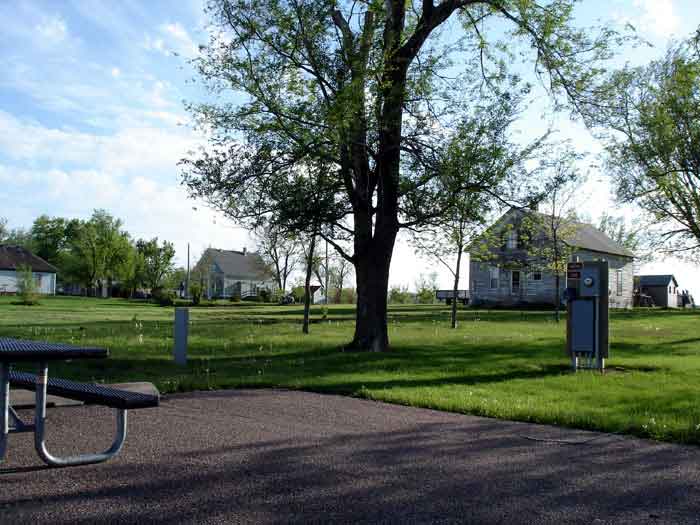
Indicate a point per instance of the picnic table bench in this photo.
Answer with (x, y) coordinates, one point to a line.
(16, 350)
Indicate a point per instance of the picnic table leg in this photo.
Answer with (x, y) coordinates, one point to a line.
(4, 408)
(40, 431)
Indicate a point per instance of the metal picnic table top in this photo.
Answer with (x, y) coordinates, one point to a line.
(19, 350)
(16, 350)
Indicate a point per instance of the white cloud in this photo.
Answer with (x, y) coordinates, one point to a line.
(132, 173)
(172, 39)
(52, 30)
(652, 17)
(116, 72)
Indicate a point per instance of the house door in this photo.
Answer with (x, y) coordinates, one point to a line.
(515, 282)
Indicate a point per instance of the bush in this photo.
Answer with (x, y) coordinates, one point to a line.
(348, 296)
(196, 293)
(265, 295)
(163, 297)
(26, 287)
(399, 295)
(298, 293)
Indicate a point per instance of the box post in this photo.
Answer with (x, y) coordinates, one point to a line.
(181, 329)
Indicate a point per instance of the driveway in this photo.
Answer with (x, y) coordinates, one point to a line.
(275, 456)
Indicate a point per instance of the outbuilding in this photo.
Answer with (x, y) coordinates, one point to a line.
(663, 289)
(13, 259)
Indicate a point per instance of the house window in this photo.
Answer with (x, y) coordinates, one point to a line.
(619, 282)
(493, 277)
(515, 282)
(536, 276)
(512, 240)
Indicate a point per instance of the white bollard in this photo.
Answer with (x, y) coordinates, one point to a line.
(182, 322)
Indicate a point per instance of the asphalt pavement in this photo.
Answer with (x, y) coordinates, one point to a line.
(276, 456)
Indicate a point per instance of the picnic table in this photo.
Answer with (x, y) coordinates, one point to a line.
(41, 353)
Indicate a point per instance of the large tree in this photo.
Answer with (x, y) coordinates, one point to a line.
(49, 238)
(650, 121)
(156, 261)
(369, 90)
(98, 249)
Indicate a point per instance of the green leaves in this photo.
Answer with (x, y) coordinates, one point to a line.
(649, 118)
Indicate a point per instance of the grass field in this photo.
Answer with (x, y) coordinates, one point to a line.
(504, 364)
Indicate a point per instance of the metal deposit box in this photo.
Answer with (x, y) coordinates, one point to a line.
(587, 319)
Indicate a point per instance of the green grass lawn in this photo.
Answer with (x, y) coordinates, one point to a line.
(505, 364)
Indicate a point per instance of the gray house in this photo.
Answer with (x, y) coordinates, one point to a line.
(229, 273)
(663, 289)
(509, 275)
(13, 259)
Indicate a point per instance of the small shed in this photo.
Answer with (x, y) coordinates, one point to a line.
(663, 289)
(13, 259)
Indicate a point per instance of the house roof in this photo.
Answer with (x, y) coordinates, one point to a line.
(589, 237)
(14, 257)
(246, 265)
(656, 280)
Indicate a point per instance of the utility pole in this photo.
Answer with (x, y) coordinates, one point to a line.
(187, 278)
(327, 268)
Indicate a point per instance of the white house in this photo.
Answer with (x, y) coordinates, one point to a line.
(230, 273)
(13, 259)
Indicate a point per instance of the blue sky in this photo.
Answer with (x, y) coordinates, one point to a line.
(91, 114)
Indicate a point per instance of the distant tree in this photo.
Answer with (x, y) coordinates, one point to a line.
(279, 251)
(399, 295)
(98, 249)
(649, 119)
(174, 278)
(131, 272)
(426, 286)
(18, 237)
(3, 229)
(49, 238)
(549, 234)
(340, 271)
(617, 228)
(157, 261)
(481, 154)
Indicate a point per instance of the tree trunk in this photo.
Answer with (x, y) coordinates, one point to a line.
(557, 315)
(455, 288)
(372, 272)
(307, 285)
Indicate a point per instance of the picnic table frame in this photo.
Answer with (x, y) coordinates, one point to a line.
(14, 351)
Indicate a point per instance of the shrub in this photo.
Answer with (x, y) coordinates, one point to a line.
(196, 293)
(163, 297)
(298, 292)
(265, 295)
(26, 287)
(399, 295)
(348, 296)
